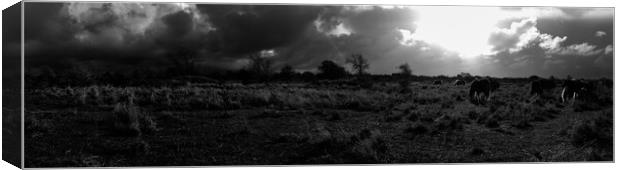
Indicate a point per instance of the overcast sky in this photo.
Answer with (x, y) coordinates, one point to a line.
(433, 40)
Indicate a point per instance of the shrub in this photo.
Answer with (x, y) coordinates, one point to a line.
(370, 144)
(596, 133)
(367, 146)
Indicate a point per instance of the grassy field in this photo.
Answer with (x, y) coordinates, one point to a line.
(258, 124)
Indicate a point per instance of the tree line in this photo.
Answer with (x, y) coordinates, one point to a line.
(259, 69)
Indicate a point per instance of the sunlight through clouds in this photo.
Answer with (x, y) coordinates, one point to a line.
(466, 30)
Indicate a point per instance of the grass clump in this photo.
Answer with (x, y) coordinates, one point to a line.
(416, 129)
(127, 120)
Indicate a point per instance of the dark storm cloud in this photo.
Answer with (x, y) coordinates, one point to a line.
(179, 23)
(43, 22)
(11, 48)
(130, 34)
(104, 36)
(580, 29)
(11, 29)
(247, 29)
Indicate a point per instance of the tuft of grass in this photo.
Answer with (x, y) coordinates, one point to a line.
(595, 136)
(335, 116)
(522, 124)
(413, 117)
(476, 151)
(596, 132)
(491, 122)
(34, 124)
(127, 120)
(370, 144)
(268, 113)
(472, 115)
(394, 116)
(416, 129)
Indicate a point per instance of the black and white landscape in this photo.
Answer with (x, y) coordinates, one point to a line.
(184, 84)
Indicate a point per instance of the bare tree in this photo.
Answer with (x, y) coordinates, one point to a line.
(358, 63)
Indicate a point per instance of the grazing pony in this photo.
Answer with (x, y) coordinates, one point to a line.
(482, 87)
(573, 89)
(538, 87)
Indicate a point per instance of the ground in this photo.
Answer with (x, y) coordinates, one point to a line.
(309, 123)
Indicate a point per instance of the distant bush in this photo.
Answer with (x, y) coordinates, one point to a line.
(330, 70)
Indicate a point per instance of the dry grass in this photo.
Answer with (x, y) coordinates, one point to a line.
(233, 124)
(213, 98)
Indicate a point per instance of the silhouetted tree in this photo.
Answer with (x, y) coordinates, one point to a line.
(330, 70)
(259, 65)
(405, 69)
(184, 60)
(287, 72)
(465, 76)
(358, 63)
(405, 73)
(307, 76)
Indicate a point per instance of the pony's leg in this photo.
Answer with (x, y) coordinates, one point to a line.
(476, 97)
(489, 96)
(475, 100)
(562, 95)
(574, 97)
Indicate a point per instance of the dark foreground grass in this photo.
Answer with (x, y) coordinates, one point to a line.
(431, 124)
